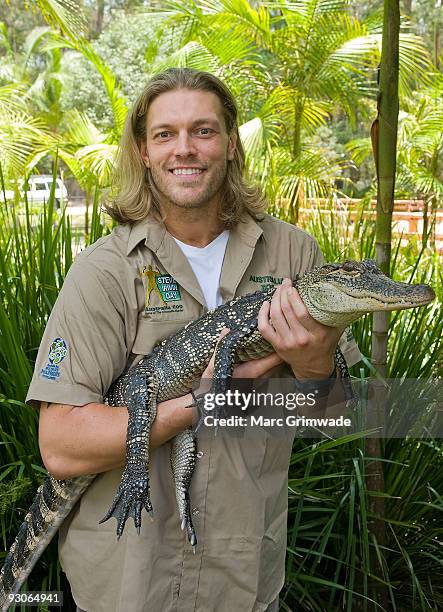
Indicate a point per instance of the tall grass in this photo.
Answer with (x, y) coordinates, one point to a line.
(36, 251)
(329, 546)
(330, 542)
(415, 342)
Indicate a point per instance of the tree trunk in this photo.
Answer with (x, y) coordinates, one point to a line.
(385, 149)
(298, 199)
(385, 143)
(296, 140)
(424, 237)
(407, 5)
(100, 15)
(437, 34)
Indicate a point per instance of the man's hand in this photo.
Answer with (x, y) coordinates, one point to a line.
(303, 343)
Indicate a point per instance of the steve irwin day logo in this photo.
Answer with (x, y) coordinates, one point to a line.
(162, 290)
(57, 352)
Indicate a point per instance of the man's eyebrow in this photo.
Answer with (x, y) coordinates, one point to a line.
(209, 120)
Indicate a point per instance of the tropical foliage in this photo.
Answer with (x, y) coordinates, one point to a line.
(292, 67)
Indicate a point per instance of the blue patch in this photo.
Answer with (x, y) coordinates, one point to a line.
(57, 352)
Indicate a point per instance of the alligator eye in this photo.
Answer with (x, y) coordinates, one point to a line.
(352, 272)
(339, 271)
(349, 266)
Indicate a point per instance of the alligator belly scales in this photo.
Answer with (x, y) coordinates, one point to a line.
(334, 294)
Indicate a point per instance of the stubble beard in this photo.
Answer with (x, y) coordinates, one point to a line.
(169, 196)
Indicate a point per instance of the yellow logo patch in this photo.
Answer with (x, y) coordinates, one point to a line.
(160, 290)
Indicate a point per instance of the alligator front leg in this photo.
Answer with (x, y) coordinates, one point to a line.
(183, 451)
(224, 359)
(133, 493)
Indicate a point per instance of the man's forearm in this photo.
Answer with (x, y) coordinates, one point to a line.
(77, 440)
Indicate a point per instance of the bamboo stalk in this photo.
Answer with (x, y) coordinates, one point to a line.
(384, 136)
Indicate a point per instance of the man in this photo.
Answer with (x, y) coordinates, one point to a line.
(192, 235)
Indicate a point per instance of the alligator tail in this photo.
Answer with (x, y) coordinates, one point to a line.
(53, 502)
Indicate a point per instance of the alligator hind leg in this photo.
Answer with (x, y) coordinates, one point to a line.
(133, 493)
(183, 451)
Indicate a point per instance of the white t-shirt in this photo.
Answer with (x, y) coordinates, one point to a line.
(206, 263)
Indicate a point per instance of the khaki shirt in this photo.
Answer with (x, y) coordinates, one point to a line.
(121, 296)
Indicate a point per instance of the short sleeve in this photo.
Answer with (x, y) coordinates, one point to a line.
(83, 347)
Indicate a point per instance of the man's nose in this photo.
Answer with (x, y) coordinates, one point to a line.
(184, 144)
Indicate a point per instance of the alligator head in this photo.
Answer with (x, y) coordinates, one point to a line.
(339, 293)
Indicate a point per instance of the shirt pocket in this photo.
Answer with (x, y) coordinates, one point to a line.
(150, 333)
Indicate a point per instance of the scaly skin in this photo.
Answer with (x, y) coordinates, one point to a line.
(334, 294)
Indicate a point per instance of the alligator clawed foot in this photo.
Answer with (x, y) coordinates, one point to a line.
(132, 496)
(186, 522)
(215, 413)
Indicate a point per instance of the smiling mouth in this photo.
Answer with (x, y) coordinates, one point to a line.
(186, 172)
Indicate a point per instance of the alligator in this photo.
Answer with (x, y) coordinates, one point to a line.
(335, 294)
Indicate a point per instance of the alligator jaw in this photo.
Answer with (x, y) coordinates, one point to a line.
(338, 294)
(409, 296)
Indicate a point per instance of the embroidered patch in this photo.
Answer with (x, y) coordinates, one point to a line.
(266, 282)
(151, 285)
(163, 309)
(168, 288)
(160, 290)
(57, 352)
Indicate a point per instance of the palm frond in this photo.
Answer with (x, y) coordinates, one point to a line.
(244, 19)
(81, 130)
(112, 87)
(360, 149)
(63, 15)
(311, 175)
(13, 98)
(33, 41)
(19, 135)
(192, 55)
(99, 159)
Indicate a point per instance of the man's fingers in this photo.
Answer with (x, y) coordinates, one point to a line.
(210, 367)
(299, 310)
(286, 282)
(264, 325)
(224, 332)
(290, 317)
(277, 315)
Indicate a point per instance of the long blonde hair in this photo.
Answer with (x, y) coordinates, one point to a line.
(134, 195)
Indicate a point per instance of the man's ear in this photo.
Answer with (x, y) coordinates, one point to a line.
(232, 145)
(144, 153)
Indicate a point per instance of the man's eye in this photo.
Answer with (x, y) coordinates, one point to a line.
(204, 131)
(163, 134)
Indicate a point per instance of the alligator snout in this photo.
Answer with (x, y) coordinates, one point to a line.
(428, 293)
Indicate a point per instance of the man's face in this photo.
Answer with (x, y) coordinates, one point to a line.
(187, 147)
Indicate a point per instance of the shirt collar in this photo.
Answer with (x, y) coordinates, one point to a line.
(153, 231)
(248, 230)
(150, 230)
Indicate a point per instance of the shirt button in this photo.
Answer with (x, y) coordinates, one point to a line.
(196, 511)
(200, 454)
